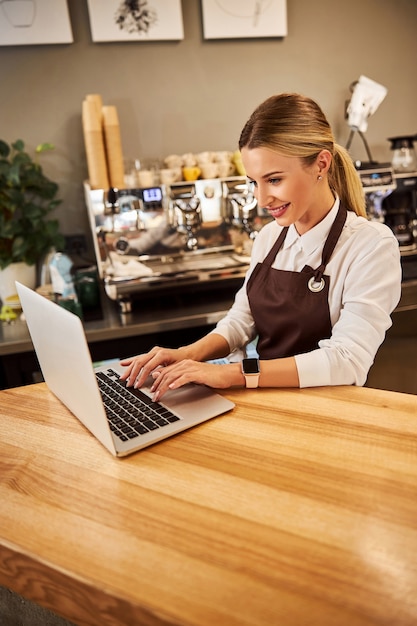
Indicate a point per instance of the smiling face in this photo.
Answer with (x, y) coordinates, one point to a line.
(288, 189)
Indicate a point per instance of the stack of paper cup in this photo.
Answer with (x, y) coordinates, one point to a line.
(97, 100)
(94, 144)
(113, 145)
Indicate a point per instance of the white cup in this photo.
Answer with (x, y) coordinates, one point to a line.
(204, 157)
(131, 180)
(225, 168)
(178, 173)
(223, 155)
(189, 160)
(168, 176)
(173, 160)
(146, 178)
(209, 170)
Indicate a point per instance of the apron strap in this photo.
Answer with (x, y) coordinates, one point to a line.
(269, 259)
(331, 242)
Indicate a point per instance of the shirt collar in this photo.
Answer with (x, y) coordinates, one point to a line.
(314, 237)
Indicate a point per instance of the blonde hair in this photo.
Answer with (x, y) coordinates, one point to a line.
(295, 126)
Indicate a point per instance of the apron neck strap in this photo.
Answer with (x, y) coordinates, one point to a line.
(331, 241)
(269, 259)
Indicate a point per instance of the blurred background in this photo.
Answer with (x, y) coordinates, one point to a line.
(195, 94)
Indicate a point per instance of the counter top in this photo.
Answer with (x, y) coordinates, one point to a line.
(15, 338)
(298, 507)
(205, 310)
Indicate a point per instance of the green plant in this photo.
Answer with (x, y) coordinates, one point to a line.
(27, 197)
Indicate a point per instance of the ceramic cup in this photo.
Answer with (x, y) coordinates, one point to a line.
(189, 159)
(178, 173)
(209, 170)
(191, 172)
(223, 155)
(204, 157)
(168, 176)
(173, 160)
(146, 178)
(225, 168)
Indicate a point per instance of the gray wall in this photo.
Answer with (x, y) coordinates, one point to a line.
(195, 95)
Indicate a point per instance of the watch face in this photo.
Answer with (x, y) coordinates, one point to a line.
(250, 366)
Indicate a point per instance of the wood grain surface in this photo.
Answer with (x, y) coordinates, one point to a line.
(299, 507)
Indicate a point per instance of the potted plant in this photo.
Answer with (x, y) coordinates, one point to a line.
(27, 197)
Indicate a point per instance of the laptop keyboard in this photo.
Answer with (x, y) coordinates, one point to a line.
(131, 413)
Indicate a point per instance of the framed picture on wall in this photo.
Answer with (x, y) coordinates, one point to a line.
(31, 22)
(233, 19)
(135, 20)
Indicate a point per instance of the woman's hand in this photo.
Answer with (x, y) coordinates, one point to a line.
(173, 368)
(188, 371)
(138, 368)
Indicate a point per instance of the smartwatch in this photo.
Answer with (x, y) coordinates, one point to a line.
(251, 371)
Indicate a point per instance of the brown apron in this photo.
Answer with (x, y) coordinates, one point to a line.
(291, 309)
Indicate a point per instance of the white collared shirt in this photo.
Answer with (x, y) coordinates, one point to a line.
(365, 287)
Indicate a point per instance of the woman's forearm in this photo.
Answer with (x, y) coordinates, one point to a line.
(212, 346)
(273, 373)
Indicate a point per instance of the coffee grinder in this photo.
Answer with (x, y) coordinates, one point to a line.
(400, 207)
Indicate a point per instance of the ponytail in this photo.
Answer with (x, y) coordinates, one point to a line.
(344, 180)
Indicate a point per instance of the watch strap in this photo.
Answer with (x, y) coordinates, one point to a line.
(252, 381)
(251, 372)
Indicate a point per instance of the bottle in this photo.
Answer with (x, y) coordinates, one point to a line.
(63, 287)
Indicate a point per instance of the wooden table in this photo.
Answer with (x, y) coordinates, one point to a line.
(297, 508)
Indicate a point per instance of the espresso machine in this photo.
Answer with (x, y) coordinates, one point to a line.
(186, 236)
(378, 183)
(391, 198)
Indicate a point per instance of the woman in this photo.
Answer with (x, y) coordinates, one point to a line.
(323, 280)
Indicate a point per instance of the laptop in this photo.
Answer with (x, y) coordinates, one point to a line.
(95, 395)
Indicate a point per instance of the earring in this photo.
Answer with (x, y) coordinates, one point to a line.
(319, 177)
